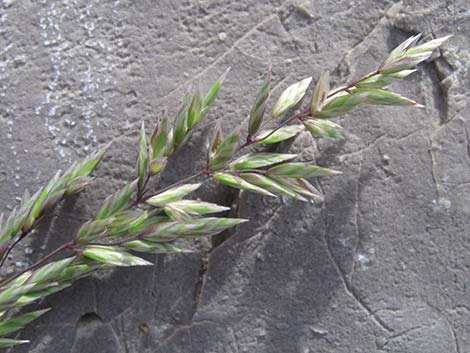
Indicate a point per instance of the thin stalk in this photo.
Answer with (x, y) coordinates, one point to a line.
(259, 171)
(10, 247)
(23, 235)
(249, 141)
(353, 84)
(65, 246)
(141, 193)
(182, 181)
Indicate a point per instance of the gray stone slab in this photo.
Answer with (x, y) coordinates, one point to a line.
(381, 266)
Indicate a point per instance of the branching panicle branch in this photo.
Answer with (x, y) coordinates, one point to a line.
(134, 219)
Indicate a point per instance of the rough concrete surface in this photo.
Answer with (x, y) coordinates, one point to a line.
(382, 266)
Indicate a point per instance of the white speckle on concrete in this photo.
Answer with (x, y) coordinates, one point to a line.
(363, 260)
(8, 3)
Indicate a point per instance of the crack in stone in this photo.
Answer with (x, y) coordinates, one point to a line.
(200, 283)
(222, 56)
(283, 25)
(405, 136)
(455, 185)
(116, 336)
(467, 138)
(442, 97)
(95, 294)
(343, 277)
(434, 174)
(380, 23)
(356, 219)
(302, 14)
(449, 324)
(123, 333)
(454, 336)
(444, 85)
(157, 268)
(75, 338)
(441, 105)
(363, 149)
(175, 331)
(275, 213)
(235, 341)
(399, 334)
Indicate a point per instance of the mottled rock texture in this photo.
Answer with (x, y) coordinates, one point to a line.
(382, 266)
